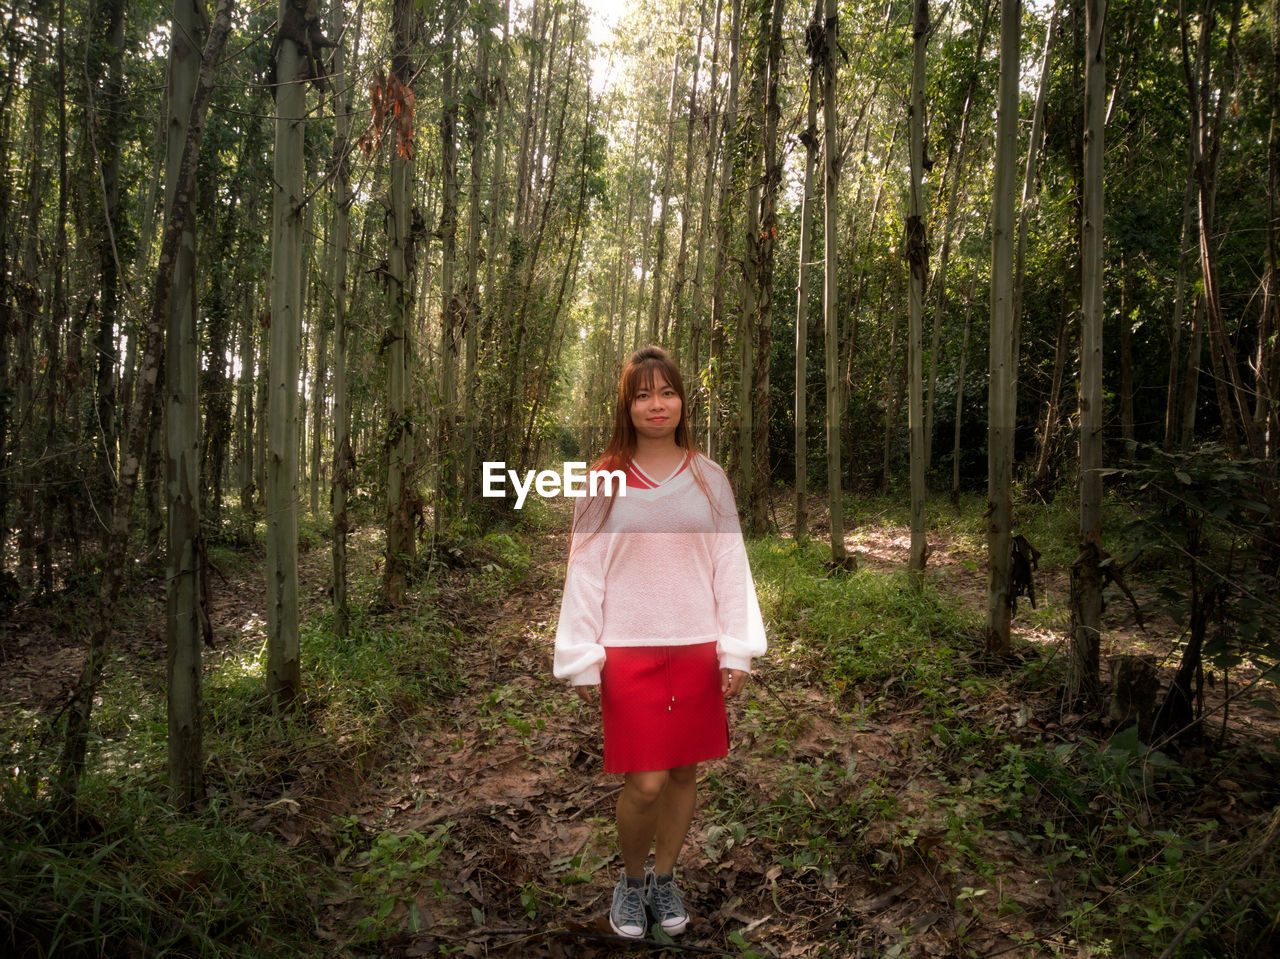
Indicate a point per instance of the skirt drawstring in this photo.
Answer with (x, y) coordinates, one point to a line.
(670, 688)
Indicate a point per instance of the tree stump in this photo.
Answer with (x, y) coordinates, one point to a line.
(1134, 688)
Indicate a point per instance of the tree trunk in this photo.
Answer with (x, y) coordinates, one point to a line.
(657, 323)
(647, 213)
(693, 359)
(78, 711)
(319, 387)
(537, 29)
(1171, 418)
(284, 674)
(830, 290)
(917, 253)
(157, 521)
(401, 544)
(182, 431)
(749, 292)
(813, 46)
(892, 399)
(673, 308)
(56, 392)
(752, 134)
(498, 181)
(108, 74)
(477, 116)
(264, 397)
(6, 311)
(306, 326)
(1086, 585)
(1126, 366)
(964, 356)
(452, 309)
(248, 361)
(225, 272)
(1268, 408)
(340, 239)
(768, 238)
(1191, 382)
(30, 306)
(1041, 480)
(1002, 391)
(724, 227)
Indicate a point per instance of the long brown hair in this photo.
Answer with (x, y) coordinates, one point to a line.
(640, 372)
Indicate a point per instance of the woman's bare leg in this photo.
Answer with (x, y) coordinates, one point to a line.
(639, 806)
(675, 812)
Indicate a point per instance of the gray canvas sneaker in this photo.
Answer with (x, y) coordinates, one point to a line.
(626, 915)
(664, 901)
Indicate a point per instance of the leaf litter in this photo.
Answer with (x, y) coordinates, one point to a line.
(482, 825)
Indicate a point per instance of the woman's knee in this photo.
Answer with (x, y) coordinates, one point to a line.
(645, 788)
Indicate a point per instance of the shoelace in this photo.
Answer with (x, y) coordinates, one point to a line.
(630, 909)
(666, 899)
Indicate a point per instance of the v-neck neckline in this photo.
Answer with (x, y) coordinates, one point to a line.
(648, 482)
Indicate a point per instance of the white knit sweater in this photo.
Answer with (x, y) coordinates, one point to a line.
(669, 568)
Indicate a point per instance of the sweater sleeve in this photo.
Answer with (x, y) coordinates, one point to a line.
(738, 616)
(578, 652)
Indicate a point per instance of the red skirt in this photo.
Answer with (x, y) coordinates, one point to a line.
(663, 707)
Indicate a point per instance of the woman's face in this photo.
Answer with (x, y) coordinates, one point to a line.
(655, 411)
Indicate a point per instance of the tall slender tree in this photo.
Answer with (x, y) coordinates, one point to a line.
(830, 288)
(340, 237)
(401, 544)
(452, 306)
(72, 761)
(813, 46)
(106, 85)
(284, 670)
(1002, 390)
(767, 242)
(730, 163)
(477, 121)
(1086, 575)
(917, 250)
(1268, 408)
(182, 432)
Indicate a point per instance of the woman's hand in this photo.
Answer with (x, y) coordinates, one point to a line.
(587, 693)
(732, 681)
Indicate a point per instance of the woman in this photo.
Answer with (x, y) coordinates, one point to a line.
(660, 616)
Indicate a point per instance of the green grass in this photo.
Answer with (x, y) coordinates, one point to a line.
(138, 878)
(866, 631)
(1132, 842)
(1131, 838)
